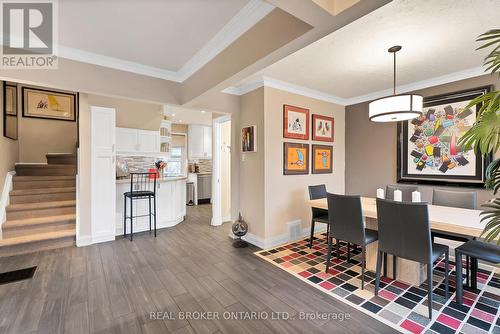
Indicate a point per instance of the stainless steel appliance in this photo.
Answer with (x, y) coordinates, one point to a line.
(204, 187)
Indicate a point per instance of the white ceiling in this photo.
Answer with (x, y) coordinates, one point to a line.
(169, 39)
(438, 39)
(180, 115)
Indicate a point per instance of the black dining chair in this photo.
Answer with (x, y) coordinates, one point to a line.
(477, 250)
(457, 199)
(405, 190)
(142, 187)
(347, 213)
(318, 215)
(404, 231)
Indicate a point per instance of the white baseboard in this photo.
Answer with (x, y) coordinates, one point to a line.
(103, 238)
(265, 243)
(4, 199)
(82, 241)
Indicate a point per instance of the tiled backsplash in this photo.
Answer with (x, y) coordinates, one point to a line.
(204, 165)
(138, 164)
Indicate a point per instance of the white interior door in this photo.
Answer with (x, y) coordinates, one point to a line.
(103, 179)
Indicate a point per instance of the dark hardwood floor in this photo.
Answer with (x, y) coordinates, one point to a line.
(113, 287)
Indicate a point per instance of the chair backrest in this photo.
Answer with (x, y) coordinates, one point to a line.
(140, 182)
(406, 191)
(317, 192)
(347, 214)
(403, 230)
(457, 199)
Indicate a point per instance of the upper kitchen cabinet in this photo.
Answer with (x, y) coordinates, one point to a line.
(199, 142)
(132, 141)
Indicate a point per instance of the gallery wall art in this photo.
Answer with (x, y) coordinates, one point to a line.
(295, 158)
(429, 149)
(10, 111)
(322, 128)
(322, 159)
(41, 103)
(295, 122)
(249, 139)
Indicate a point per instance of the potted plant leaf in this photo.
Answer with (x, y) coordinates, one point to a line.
(484, 135)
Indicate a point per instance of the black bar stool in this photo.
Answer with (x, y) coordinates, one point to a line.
(142, 186)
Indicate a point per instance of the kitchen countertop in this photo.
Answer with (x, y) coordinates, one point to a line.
(161, 180)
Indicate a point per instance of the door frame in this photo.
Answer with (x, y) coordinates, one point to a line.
(216, 168)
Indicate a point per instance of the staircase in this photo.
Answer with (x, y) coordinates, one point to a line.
(42, 211)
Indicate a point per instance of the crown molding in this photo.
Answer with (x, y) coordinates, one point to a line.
(285, 86)
(116, 63)
(436, 81)
(319, 95)
(247, 17)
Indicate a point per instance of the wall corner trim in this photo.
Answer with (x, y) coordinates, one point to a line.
(4, 200)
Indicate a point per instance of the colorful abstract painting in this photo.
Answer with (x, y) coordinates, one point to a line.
(322, 128)
(322, 161)
(295, 158)
(42, 103)
(431, 149)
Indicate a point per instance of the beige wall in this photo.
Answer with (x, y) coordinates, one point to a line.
(251, 180)
(38, 136)
(371, 147)
(130, 113)
(285, 195)
(226, 170)
(9, 149)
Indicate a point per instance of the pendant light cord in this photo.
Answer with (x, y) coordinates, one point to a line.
(394, 78)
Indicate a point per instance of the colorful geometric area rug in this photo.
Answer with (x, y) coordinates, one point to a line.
(399, 305)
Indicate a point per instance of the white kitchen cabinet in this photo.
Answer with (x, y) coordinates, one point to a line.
(207, 142)
(149, 141)
(199, 142)
(126, 140)
(137, 141)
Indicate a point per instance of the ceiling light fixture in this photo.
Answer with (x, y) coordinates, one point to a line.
(396, 108)
(203, 111)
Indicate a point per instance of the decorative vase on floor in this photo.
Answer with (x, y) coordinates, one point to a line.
(239, 228)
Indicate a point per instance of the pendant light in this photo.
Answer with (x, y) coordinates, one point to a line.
(396, 108)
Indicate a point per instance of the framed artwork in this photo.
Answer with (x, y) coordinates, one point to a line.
(10, 111)
(41, 103)
(295, 122)
(322, 128)
(295, 158)
(322, 159)
(249, 139)
(428, 146)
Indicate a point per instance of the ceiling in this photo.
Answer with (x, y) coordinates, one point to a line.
(438, 39)
(180, 115)
(157, 37)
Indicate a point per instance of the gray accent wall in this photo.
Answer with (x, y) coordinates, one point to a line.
(371, 147)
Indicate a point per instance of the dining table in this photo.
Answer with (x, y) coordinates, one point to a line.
(449, 220)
